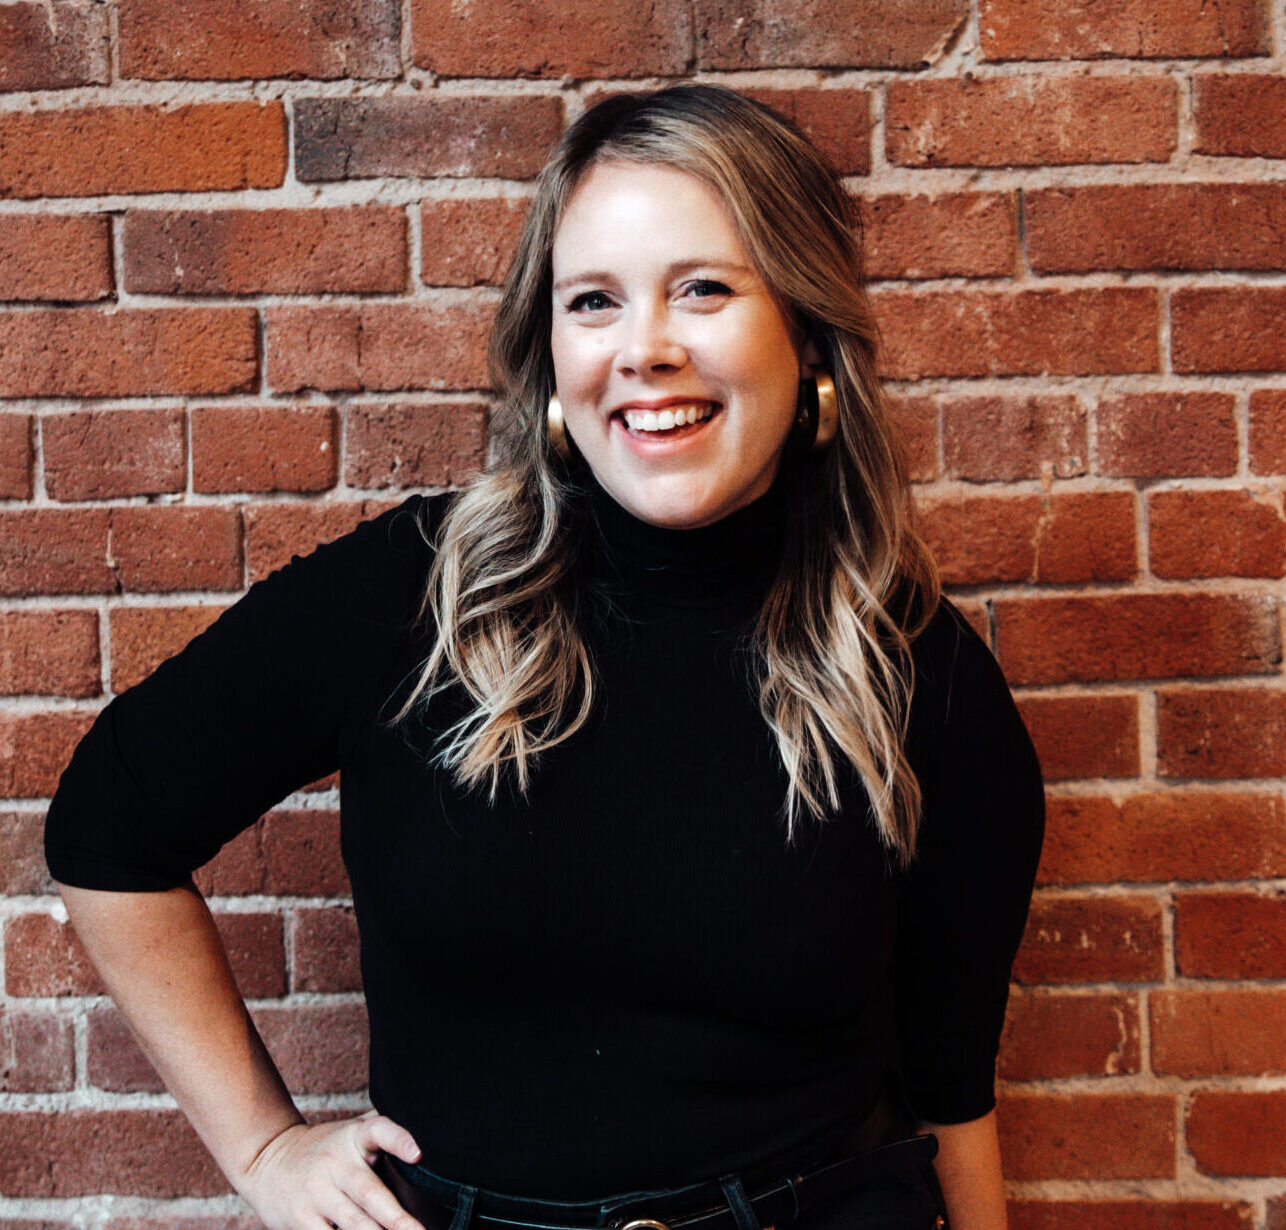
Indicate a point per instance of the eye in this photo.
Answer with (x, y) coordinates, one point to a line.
(715, 288)
(589, 294)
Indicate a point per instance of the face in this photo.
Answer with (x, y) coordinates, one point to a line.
(676, 370)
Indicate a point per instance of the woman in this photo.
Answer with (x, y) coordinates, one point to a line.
(691, 832)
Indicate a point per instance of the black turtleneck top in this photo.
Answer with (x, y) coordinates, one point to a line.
(628, 979)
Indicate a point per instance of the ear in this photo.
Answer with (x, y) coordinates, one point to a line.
(810, 358)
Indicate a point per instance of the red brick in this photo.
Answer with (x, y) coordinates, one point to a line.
(136, 1152)
(263, 448)
(35, 748)
(256, 952)
(143, 637)
(1240, 115)
(1084, 736)
(327, 954)
(1030, 120)
(1087, 637)
(578, 38)
(1154, 836)
(189, 147)
(1087, 1136)
(955, 234)
(1005, 439)
(914, 422)
(301, 854)
(1080, 536)
(115, 1061)
(1268, 431)
(258, 251)
(1221, 732)
(1025, 333)
(1238, 1133)
(1091, 939)
(1163, 435)
(37, 1051)
(224, 40)
(382, 346)
(88, 352)
(50, 653)
(161, 549)
(1215, 534)
(410, 445)
(22, 855)
(1057, 1034)
(53, 46)
(1228, 1032)
(837, 121)
(1228, 329)
(469, 241)
(238, 868)
(1149, 1213)
(54, 256)
(15, 456)
(55, 551)
(276, 531)
(504, 137)
(1157, 226)
(825, 33)
(1231, 934)
(319, 1048)
(1136, 29)
(102, 454)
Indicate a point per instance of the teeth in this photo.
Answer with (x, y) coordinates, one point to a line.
(671, 416)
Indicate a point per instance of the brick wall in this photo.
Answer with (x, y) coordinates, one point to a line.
(249, 253)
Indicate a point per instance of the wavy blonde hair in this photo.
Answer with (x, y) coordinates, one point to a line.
(502, 592)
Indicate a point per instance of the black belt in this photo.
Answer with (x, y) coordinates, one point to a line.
(775, 1190)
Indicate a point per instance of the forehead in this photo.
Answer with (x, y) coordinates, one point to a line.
(632, 210)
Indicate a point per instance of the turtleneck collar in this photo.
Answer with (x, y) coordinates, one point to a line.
(725, 562)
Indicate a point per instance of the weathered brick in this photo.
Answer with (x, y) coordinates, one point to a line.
(54, 256)
(50, 653)
(837, 121)
(1084, 736)
(88, 352)
(1221, 732)
(577, 38)
(1059, 1034)
(1006, 439)
(143, 637)
(1232, 1031)
(1030, 121)
(264, 448)
(1134, 29)
(506, 137)
(1215, 534)
(191, 147)
(1241, 115)
(1156, 226)
(952, 234)
(1024, 333)
(55, 551)
(1237, 1133)
(1136, 636)
(825, 33)
(1228, 329)
(102, 454)
(53, 45)
(37, 1052)
(469, 241)
(1091, 939)
(22, 855)
(914, 425)
(302, 855)
(265, 251)
(15, 456)
(1162, 435)
(276, 531)
(1087, 1136)
(1232, 934)
(1268, 431)
(224, 40)
(34, 750)
(160, 549)
(1146, 1213)
(318, 1048)
(326, 950)
(1155, 836)
(410, 445)
(379, 346)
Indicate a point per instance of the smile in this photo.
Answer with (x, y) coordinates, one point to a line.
(672, 421)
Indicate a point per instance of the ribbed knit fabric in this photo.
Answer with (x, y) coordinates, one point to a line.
(628, 979)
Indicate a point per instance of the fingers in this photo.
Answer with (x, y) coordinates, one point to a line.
(379, 1132)
(373, 1200)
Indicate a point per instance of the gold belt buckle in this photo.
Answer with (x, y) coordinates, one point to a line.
(645, 1223)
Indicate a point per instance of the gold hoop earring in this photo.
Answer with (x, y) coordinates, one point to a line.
(816, 413)
(556, 429)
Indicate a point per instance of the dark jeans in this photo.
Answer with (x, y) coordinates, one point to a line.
(911, 1203)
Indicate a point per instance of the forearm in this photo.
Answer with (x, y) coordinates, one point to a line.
(162, 960)
(969, 1172)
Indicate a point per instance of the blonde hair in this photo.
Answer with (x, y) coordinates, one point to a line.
(502, 591)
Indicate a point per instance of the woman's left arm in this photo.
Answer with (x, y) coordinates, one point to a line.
(969, 1172)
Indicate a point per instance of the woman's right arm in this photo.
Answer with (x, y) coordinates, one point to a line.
(162, 960)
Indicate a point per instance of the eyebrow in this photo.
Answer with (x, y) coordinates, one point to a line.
(599, 275)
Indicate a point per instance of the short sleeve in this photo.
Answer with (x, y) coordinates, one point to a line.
(248, 712)
(964, 902)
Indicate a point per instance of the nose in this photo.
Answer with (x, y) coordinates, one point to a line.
(649, 341)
